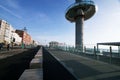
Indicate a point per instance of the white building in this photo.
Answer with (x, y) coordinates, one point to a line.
(4, 32)
(53, 44)
(16, 39)
(7, 34)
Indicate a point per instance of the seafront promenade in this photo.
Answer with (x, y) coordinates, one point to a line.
(84, 68)
(42, 63)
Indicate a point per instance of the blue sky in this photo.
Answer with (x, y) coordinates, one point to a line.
(45, 20)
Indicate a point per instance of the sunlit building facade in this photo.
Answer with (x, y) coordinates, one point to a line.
(53, 44)
(7, 34)
(26, 38)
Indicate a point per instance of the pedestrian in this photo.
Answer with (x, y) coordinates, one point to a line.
(8, 47)
(0, 46)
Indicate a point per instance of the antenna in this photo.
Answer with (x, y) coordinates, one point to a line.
(25, 29)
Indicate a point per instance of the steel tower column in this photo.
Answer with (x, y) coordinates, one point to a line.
(78, 12)
(79, 30)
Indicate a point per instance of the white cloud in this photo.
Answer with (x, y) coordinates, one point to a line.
(9, 11)
(12, 3)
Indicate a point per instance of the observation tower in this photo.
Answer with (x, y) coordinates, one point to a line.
(78, 12)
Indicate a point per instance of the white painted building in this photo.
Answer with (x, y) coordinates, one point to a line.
(53, 44)
(7, 34)
(17, 38)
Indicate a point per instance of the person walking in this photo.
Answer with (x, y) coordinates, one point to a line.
(8, 47)
(0, 46)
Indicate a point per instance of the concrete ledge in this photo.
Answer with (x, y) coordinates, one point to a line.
(37, 60)
(39, 53)
(36, 63)
(35, 72)
(32, 74)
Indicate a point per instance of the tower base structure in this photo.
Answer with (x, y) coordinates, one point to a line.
(78, 12)
(79, 30)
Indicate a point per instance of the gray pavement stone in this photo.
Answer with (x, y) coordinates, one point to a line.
(36, 63)
(32, 74)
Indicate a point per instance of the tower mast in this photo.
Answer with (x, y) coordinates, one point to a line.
(78, 12)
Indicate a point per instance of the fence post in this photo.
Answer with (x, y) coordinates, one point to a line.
(118, 51)
(97, 47)
(110, 54)
(84, 48)
(94, 51)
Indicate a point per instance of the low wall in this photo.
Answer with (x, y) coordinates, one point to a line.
(53, 69)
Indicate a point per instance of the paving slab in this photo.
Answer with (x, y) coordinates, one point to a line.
(85, 68)
(32, 74)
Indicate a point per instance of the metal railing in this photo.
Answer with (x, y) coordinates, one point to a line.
(109, 56)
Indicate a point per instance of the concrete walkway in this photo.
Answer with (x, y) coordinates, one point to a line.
(5, 54)
(32, 74)
(85, 68)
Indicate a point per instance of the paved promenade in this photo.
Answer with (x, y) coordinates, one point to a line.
(5, 54)
(85, 68)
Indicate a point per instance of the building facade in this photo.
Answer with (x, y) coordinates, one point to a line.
(26, 38)
(16, 39)
(53, 44)
(7, 33)
(2, 30)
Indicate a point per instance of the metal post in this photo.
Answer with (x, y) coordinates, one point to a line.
(118, 51)
(23, 46)
(95, 51)
(110, 54)
(84, 48)
(97, 47)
